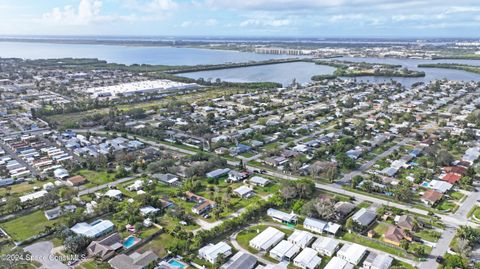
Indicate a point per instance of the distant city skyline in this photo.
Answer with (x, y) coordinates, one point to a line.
(296, 18)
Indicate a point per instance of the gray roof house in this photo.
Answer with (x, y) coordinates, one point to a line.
(133, 261)
(364, 217)
(240, 260)
(53, 213)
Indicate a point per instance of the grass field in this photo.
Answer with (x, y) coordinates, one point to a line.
(27, 226)
(96, 177)
(22, 187)
(376, 245)
(429, 235)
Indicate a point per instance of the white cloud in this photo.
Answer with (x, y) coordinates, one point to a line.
(265, 22)
(186, 24)
(87, 12)
(211, 22)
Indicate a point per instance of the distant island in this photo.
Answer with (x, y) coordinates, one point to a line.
(358, 69)
(463, 67)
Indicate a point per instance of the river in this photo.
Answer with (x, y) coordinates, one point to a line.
(282, 73)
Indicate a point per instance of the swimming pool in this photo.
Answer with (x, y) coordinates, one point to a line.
(176, 263)
(129, 242)
(425, 184)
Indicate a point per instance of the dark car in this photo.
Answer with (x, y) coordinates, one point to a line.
(439, 259)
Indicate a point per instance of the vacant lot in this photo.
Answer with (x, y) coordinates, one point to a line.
(27, 226)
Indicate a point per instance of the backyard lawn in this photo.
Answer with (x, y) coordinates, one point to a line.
(27, 226)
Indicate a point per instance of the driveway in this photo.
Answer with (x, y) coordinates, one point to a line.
(41, 252)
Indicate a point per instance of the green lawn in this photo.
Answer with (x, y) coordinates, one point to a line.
(446, 206)
(429, 235)
(364, 204)
(160, 244)
(22, 187)
(377, 245)
(457, 195)
(97, 177)
(381, 228)
(94, 265)
(27, 226)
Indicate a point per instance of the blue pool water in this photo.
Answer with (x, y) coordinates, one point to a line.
(425, 184)
(175, 263)
(129, 242)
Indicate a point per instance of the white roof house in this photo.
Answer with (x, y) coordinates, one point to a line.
(285, 250)
(147, 210)
(211, 252)
(440, 185)
(60, 173)
(33, 196)
(301, 238)
(244, 192)
(326, 246)
(338, 263)
(377, 261)
(282, 216)
(320, 226)
(267, 239)
(117, 194)
(259, 181)
(307, 259)
(353, 253)
(95, 229)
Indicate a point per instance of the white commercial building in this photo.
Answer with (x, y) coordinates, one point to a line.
(307, 259)
(352, 253)
(141, 87)
(301, 238)
(284, 251)
(211, 252)
(267, 239)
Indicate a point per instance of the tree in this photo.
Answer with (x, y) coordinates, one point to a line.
(332, 173)
(454, 262)
(350, 225)
(444, 158)
(404, 244)
(76, 243)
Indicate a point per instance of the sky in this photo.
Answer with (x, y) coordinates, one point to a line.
(276, 18)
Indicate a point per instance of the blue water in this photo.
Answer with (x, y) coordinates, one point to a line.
(175, 263)
(129, 54)
(129, 242)
(282, 73)
(425, 184)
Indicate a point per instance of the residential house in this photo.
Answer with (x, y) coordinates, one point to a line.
(240, 260)
(405, 222)
(320, 226)
(343, 209)
(76, 181)
(377, 261)
(284, 251)
(53, 213)
(301, 238)
(281, 216)
(266, 239)
(168, 179)
(259, 181)
(395, 235)
(202, 204)
(235, 176)
(105, 248)
(133, 261)
(326, 246)
(95, 229)
(211, 252)
(307, 259)
(353, 253)
(431, 197)
(244, 192)
(338, 263)
(364, 217)
(115, 194)
(218, 173)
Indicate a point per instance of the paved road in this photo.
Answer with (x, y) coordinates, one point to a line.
(106, 185)
(440, 249)
(43, 250)
(346, 178)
